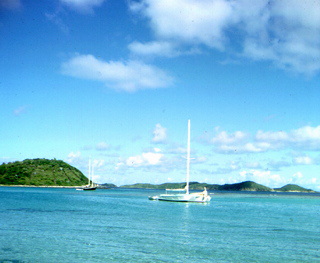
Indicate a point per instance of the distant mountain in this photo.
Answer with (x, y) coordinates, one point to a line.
(193, 186)
(106, 186)
(293, 188)
(155, 186)
(243, 186)
(41, 172)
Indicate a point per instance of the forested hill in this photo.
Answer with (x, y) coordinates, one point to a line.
(243, 186)
(41, 172)
(293, 188)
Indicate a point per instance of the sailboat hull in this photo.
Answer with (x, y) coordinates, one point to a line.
(87, 189)
(199, 198)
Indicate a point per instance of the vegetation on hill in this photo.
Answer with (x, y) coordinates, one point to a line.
(106, 186)
(41, 172)
(293, 188)
(243, 186)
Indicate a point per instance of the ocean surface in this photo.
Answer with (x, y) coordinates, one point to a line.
(120, 225)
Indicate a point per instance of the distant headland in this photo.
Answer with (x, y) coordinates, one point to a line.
(43, 173)
(57, 173)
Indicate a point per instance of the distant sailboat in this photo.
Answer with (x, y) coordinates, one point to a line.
(90, 186)
(183, 195)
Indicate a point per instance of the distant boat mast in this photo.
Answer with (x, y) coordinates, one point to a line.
(92, 172)
(188, 159)
(89, 172)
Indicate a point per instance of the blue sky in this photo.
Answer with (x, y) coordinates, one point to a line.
(117, 81)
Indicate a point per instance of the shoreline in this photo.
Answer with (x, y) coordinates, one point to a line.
(75, 187)
(42, 186)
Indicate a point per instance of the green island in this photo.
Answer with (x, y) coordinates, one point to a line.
(57, 173)
(41, 172)
(243, 186)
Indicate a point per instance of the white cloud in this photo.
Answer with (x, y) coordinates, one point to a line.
(187, 20)
(145, 159)
(272, 136)
(284, 32)
(309, 183)
(161, 49)
(304, 138)
(157, 150)
(159, 134)
(134, 161)
(297, 176)
(74, 158)
(152, 158)
(241, 148)
(82, 6)
(224, 138)
(237, 142)
(98, 166)
(98, 163)
(127, 76)
(263, 177)
(307, 135)
(273, 180)
(157, 48)
(306, 160)
(289, 36)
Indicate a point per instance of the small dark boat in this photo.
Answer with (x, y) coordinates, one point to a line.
(90, 186)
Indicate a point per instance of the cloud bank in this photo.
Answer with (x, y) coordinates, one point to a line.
(286, 33)
(304, 138)
(274, 170)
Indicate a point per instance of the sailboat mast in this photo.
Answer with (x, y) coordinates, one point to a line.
(92, 175)
(89, 172)
(188, 159)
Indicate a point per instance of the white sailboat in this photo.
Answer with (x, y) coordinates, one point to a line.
(90, 185)
(184, 195)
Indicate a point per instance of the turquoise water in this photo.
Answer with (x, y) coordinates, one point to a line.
(65, 225)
